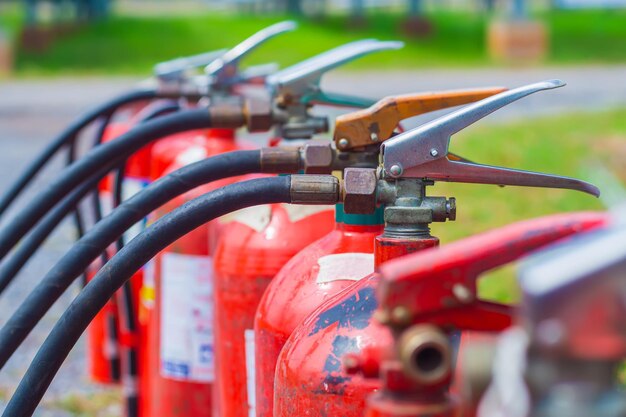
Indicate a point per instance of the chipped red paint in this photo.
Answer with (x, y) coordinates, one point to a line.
(434, 281)
(310, 377)
(425, 284)
(294, 294)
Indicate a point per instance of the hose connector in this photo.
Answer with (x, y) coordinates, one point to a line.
(282, 160)
(315, 189)
(228, 114)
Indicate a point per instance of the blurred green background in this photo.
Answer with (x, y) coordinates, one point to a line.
(132, 36)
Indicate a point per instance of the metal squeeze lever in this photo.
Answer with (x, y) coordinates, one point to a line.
(301, 82)
(295, 89)
(222, 65)
(319, 157)
(423, 152)
(224, 71)
(577, 291)
(377, 123)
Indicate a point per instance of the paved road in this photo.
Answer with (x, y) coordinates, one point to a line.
(32, 111)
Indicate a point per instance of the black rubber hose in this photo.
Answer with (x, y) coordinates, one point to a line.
(80, 256)
(78, 215)
(106, 155)
(96, 204)
(64, 138)
(122, 266)
(38, 235)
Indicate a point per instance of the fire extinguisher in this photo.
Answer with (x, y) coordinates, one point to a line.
(171, 75)
(253, 246)
(315, 274)
(177, 367)
(257, 242)
(310, 376)
(309, 372)
(305, 282)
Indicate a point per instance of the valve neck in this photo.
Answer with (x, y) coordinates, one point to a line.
(373, 219)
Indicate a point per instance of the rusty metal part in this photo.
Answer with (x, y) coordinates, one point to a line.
(258, 115)
(378, 122)
(359, 190)
(318, 157)
(228, 114)
(425, 353)
(281, 160)
(315, 189)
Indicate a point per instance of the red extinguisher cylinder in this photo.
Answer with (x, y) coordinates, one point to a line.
(310, 375)
(315, 274)
(177, 365)
(252, 248)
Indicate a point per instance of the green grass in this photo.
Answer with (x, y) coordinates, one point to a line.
(131, 45)
(567, 145)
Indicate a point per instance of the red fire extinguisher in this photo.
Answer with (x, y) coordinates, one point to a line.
(253, 246)
(309, 372)
(177, 368)
(310, 378)
(315, 274)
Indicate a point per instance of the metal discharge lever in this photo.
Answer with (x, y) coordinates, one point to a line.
(297, 88)
(423, 152)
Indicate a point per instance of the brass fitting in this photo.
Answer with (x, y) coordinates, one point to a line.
(359, 194)
(227, 114)
(315, 189)
(318, 157)
(281, 160)
(425, 354)
(258, 115)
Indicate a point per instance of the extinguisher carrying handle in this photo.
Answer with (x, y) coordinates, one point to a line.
(438, 286)
(377, 123)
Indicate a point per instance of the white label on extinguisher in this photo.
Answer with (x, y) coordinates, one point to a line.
(187, 343)
(345, 266)
(130, 187)
(250, 372)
